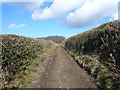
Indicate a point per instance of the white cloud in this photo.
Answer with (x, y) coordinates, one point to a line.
(57, 9)
(77, 13)
(42, 14)
(81, 13)
(16, 26)
(91, 12)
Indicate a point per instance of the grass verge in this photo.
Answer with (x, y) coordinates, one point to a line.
(104, 78)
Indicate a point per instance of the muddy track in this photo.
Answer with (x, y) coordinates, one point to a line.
(63, 72)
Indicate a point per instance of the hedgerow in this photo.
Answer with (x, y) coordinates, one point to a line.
(18, 53)
(102, 42)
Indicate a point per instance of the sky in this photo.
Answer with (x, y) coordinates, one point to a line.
(41, 18)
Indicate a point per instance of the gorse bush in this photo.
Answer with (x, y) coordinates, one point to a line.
(18, 52)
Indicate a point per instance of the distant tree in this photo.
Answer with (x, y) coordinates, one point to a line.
(56, 39)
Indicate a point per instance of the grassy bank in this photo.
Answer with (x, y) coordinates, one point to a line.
(19, 58)
(98, 52)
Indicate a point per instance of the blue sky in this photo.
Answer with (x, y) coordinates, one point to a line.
(50, 18)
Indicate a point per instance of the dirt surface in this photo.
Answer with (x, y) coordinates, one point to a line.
(63, 72)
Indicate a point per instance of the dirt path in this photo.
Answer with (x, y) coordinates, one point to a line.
(63, 72)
